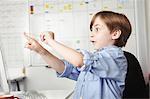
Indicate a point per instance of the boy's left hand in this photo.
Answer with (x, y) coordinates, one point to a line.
(47, 36)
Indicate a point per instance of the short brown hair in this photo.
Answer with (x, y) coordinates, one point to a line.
(115, 21)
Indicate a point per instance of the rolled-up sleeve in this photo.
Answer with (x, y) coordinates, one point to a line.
(88, 59)
(70, 71)
(109, 63)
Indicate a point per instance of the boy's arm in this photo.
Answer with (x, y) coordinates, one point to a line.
(68, 54)
(52, 61)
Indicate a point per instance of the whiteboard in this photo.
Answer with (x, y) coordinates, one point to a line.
(14, 21)
(69, 19)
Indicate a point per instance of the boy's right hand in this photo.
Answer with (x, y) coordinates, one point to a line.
(32, 44)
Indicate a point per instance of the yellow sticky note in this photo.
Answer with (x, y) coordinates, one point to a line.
(46, 5)
(120, 7)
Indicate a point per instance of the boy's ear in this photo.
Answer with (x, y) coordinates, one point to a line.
(116, 34)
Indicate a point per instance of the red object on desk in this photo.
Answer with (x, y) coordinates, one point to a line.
(8, 97)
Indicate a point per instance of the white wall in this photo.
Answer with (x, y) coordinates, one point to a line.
(142, 37)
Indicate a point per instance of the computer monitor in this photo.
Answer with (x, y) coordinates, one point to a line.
(3, 76)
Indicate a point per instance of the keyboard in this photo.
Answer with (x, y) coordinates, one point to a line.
(31, 95)
(47, 94)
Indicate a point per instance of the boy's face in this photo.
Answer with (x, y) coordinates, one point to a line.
(100, 35)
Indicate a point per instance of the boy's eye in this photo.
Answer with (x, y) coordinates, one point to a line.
(96, 29)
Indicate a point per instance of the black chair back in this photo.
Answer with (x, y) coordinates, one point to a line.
(135, 87)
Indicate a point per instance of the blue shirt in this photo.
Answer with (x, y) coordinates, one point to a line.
(101, 77)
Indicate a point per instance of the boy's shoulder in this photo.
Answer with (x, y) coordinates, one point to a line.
(112, 50)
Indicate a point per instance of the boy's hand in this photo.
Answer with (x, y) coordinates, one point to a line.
(46, 37)
(32, 44)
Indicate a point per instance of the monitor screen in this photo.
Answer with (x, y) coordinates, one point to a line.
(4, 87)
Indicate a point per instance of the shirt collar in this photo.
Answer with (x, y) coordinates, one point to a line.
(106, 47)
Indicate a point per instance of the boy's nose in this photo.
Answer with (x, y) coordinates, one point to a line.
(91, 34)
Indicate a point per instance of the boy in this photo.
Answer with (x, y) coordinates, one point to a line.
(101, 74)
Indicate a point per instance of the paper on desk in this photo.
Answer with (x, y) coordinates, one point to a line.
(16, 73)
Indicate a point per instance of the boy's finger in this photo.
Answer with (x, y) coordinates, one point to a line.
(27, 36)
(27, 44)
(42, 37)
(52, 35)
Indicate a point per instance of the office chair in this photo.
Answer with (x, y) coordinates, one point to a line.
(135, 87)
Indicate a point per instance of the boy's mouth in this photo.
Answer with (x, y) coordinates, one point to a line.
(93, 41)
